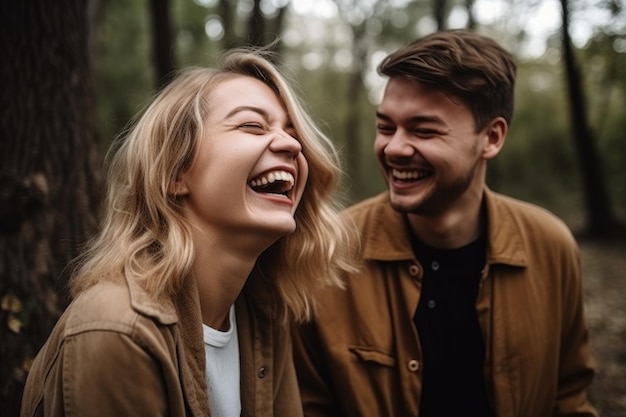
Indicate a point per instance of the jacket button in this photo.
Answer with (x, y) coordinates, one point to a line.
(414, 270)
(414, 365)
(262, 372)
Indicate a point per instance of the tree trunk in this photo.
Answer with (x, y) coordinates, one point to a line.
(352, 125)
(227, 11)
(600, 219)
(256, 25)
(278, 25)
(262, 31)
(440, 13)
(48, 186)
(471, 19)
(162, 47)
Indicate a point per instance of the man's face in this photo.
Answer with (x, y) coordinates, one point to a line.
(428, 149)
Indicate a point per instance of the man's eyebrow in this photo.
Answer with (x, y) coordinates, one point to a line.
(383, 116)
(425, 119)
(414, 119)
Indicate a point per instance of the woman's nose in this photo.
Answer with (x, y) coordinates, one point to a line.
(284, 142)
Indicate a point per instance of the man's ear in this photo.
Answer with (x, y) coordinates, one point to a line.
(177, 188)
(495, 135)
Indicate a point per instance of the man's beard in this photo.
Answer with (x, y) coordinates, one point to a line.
(437, 199)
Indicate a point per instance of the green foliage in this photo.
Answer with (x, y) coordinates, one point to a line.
(538, 162)
(123, 71)
(193, 46)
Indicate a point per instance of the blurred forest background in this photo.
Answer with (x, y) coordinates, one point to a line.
(74, 73)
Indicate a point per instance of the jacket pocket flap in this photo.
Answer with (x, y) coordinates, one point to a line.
(367, 354)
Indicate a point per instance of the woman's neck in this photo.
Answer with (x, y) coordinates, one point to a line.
(220, 270)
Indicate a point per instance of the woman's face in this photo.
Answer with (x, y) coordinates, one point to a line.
(249, 173)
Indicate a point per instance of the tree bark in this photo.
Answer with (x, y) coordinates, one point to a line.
(600, 219)
(48, 185)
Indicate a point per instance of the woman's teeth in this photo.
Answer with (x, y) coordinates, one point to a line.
(271, 177)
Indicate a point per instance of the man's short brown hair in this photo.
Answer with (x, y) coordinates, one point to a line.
(465, 65)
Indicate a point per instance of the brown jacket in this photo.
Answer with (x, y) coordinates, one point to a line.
(118, 352)
(362, 357)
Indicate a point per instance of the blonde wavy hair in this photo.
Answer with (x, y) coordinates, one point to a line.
(144, 236)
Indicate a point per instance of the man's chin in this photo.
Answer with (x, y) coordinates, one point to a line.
(402, 203)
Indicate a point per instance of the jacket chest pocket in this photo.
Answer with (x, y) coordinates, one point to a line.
(373, 356)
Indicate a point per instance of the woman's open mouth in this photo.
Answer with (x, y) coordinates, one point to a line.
(276, 182)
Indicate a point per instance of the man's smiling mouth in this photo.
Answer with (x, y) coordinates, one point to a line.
(410, 175)
(276, 182)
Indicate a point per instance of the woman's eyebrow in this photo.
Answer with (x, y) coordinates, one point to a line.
(254, 109)
(262, 112)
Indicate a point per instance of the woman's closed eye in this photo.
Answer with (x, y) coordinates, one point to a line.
(254, 127)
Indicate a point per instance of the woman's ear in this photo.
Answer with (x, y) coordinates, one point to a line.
(177, 188)
(495, 135)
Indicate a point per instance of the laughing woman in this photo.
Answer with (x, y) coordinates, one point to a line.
(220, 226)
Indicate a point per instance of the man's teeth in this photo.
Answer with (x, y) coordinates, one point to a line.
(271, 177)
(408, 175)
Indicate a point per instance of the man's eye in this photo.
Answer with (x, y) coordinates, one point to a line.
(425, 133)
(385, 129)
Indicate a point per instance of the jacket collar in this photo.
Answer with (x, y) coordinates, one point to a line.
(504, 236)
(161, 309)
(388, 237)
(166, 310)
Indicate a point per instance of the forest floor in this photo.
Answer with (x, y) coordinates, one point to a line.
(604, 274)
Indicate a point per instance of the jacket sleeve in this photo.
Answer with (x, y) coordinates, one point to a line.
(104, 373)
(311, 369)
(576, 369)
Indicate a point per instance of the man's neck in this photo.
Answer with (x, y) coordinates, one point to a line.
(449, 230)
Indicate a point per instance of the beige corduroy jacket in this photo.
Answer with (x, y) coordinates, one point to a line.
(361, 357)
(118, 352)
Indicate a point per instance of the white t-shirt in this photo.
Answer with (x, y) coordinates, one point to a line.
(221, 350)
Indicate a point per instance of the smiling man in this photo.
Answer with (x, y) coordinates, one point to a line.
(468, 303)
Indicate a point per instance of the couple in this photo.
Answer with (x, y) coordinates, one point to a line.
(222, 228)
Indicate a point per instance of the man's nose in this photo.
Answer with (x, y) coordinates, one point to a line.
(399, 145)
